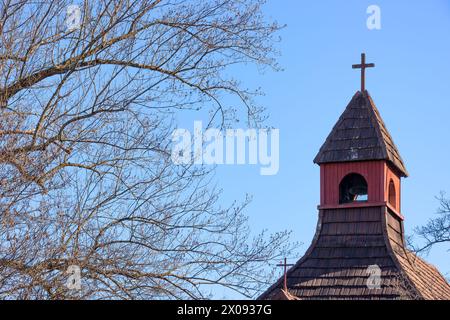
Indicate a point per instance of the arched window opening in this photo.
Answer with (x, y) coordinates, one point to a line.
(353, 188)
(392, 194)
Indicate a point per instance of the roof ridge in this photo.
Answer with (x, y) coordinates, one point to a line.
(336, 125)
(373, 108)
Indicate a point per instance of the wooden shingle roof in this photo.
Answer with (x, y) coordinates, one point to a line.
(360, 134)
(347, 243)
(353, 243)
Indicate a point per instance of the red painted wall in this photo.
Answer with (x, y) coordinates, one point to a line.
(377, 174)
(390, 174)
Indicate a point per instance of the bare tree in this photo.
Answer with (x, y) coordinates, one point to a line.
(86, 178)
(437, 229)
(405, 290)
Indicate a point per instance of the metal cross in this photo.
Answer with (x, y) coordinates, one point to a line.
(285, 265)
(363, 67)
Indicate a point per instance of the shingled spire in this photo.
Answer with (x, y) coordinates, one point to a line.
(360, 135)
(359, 249)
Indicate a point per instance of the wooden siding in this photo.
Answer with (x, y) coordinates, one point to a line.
(331, 175)
(378, 175)
(391, 174)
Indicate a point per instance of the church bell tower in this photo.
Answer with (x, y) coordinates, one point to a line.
(359, 249)
(360, 165)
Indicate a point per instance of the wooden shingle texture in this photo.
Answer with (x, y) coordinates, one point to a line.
(360, 134)
(349, 241)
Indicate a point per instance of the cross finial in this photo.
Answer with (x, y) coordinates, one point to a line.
(285, 265)
(363, 67)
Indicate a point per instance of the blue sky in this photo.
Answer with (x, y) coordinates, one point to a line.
(409, 85)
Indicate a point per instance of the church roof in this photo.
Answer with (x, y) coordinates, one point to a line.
(360, 135)
(359, 250)
(348, 244)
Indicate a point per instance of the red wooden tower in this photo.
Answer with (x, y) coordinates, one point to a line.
(359, 251)
(359, 163)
